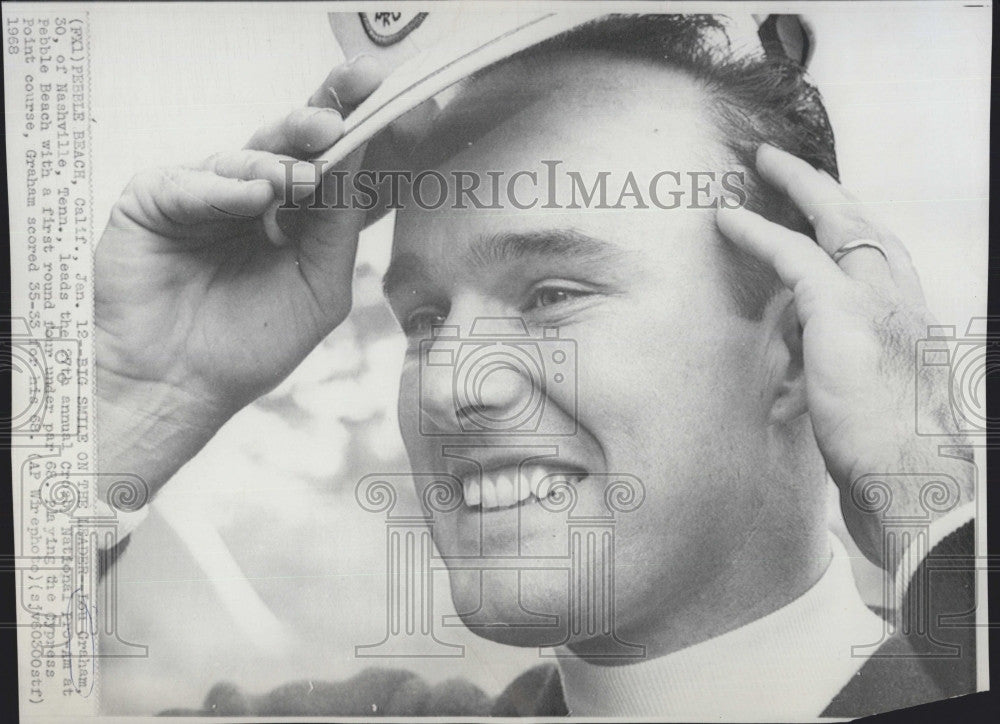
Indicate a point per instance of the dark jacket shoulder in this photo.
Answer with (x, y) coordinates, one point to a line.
(929, 652)
(536, 692)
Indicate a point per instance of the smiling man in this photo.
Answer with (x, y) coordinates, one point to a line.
(727, 359)
(656, 371)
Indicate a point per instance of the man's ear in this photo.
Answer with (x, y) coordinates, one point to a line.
(787, 392)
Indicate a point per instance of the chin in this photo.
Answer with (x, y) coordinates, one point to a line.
(516, 608)
(515, 636)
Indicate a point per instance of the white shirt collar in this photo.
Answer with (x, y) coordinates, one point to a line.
(787, 665)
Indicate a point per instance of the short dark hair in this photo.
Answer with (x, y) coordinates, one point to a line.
(757, 99)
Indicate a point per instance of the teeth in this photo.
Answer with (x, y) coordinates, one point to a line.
(490, 493)
(505, 491)
(471, 490)
(523, 484)
(510, 486)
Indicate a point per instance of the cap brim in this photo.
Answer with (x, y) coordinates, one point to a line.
(437, 68)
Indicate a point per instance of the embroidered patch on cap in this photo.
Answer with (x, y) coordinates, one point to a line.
(389, 28)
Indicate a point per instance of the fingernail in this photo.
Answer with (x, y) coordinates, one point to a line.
(328, 111)
(354, 61)
(336, 98)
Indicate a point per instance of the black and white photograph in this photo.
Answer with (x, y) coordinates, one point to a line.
(615, 360)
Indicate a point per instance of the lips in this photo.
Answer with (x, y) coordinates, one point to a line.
(510, 485)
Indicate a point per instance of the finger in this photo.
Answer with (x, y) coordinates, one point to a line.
(900, 261)
(302, 133)
(865, 230)
(837, 218)
(172, 197)
(313, 228)
(843, 189)
(327, 241)
(817, 196)
(283, 172)
(311, 130)
(800, 264)
(866, 263)
(348, 85)
(344, 89)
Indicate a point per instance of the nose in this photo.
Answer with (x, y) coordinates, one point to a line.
(473, 380)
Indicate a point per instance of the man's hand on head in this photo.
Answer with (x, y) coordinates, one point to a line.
(204, 299)
(862, 311)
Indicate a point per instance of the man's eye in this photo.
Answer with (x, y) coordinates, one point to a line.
(548, 296)
(420, 322)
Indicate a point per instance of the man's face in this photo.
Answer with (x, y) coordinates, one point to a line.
(667, 378)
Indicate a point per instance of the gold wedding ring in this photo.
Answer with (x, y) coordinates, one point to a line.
(859, 244)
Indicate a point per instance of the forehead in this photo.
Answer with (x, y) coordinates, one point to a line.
(605, 108)
(587, 113)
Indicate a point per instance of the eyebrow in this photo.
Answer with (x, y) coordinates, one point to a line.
(508, 248)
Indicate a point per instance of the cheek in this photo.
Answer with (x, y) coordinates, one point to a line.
(408, 409)
(673, 403)
(653, 380)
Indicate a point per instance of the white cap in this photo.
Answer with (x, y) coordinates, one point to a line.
(429, 54)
